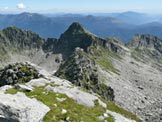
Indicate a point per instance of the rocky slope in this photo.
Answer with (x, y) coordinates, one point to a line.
(147, 45)
(82, 71)
(132, 70)
(129, 75)
(21, 45)
(61, 99)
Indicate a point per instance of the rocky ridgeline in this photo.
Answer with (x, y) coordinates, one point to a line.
(18, 73)
(148, 46)
(82, 71)
(146, 41)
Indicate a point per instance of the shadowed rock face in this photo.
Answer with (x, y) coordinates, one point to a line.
(74, 36)
(7, 120)
(22, 39)
(49, 45)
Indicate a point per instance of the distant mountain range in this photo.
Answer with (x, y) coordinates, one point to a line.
(121, 25)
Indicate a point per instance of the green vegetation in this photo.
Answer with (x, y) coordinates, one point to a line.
(106, 64)
(18, 73)
(113, 107)
(104, 57)
(29, 74)
(75, 111)
(12, 91)
(110, 118)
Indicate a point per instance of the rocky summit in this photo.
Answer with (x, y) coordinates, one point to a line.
(79, 77)
(74, 36)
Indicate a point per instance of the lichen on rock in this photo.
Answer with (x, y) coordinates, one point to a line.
(18, 73)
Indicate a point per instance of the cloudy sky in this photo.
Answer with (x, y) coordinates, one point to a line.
(80, 6)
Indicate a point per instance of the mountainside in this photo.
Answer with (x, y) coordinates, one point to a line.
(147, 45)
(74, 36)
(20, 45)
(146, 41)
(124, 68)
(103, 79)
(22, 39)
(121, 25)
(82, 71)
(16, 41)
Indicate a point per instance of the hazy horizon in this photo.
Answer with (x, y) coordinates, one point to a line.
(80, 6)
(79, 13)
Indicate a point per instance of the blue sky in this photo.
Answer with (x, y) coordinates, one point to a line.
(81, 6)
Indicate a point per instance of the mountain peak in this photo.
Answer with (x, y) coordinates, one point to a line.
(74, 36)
(75, 28)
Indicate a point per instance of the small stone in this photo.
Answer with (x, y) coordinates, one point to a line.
(67, 118)
(60, 99)
(45, 93)
(105, 115)
(55, 105)
(23, 87)
(64, 111)
(101, 118)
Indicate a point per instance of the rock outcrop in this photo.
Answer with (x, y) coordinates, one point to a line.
(18, 73)
(20, 108)
(114, 45)
(146, 41)
(82, 71)
(147, 45)
(74, 36)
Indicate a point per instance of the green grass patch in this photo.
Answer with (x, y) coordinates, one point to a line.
(106, 64)
(75, 111)
(113, 107)
(104, 57)
(11, 91)
(110, 118)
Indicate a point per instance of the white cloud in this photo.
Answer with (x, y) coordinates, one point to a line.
(21, 6)
(6, 7)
